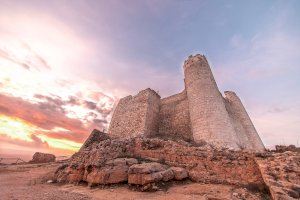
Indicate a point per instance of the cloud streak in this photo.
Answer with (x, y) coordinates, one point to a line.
(27, 59)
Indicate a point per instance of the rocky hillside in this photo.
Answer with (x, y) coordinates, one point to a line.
(146, 163)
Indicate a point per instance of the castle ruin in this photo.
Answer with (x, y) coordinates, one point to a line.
(199, 113)
(145, 144)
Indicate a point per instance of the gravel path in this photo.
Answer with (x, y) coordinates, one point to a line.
(19, 182)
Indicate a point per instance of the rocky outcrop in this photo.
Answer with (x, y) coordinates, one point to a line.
(141, 161)
(281, 173)
(282, 148)
(146, 163)
(42, 158)
(95, 137)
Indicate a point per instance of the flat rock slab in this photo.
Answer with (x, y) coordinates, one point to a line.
(108, 175)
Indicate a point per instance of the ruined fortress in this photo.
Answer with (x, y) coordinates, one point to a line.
(199, 113)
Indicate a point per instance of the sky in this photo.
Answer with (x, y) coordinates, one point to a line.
(65, 64)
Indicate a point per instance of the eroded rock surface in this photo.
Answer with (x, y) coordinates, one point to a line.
(149, 162)
(201, 164)
(282, 148)
(95, 137)
(145, 173)
(281, 173)
(179, 173)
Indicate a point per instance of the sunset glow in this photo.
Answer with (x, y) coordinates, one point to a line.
(63, 65)
(44, 102)
(19, 129)
(16, 128)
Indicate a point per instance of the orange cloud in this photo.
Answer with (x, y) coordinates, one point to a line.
(46, 124)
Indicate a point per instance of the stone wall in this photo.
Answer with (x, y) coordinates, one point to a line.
(210, 121)
(246, 131)
(243, 140)
(136, 115)
(152, 115)
(174, 119)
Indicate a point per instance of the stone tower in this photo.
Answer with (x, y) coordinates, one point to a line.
(210, 120)
(251, 136)
(136, 115)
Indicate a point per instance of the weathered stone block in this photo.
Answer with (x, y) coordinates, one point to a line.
(179, 173)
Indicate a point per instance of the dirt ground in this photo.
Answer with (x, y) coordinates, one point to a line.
(18, 182)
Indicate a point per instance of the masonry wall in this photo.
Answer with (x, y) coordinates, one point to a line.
(247, 130)
(152, 115)
(174, 119)
(243, 140)
(209, 118)
(136, 115)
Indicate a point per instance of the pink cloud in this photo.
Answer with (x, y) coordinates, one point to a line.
(50, 114)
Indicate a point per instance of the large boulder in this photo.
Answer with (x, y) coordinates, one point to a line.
(39, 157)
(145, 173)
(108, 175)
(113, 171)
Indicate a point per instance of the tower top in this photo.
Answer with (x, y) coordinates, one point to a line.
(192, 59)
